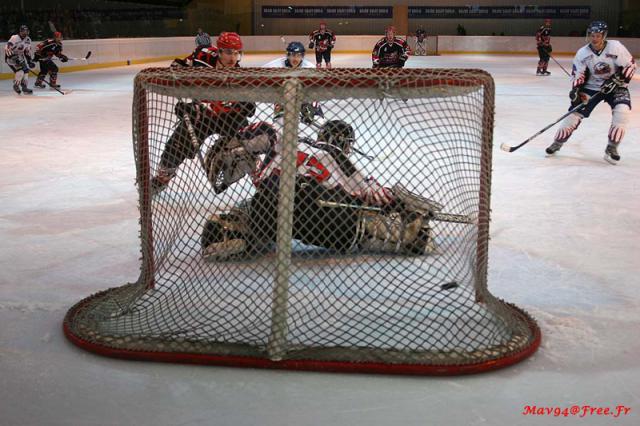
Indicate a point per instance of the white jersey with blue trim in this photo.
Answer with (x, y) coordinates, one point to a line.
(282, 63)
(16, 49)
(593, 68)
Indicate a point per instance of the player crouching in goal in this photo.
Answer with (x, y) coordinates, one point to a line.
(335, 206)
(601, 72)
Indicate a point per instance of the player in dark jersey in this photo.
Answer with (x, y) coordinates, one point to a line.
(543, 43)
(44, 54)
(390, 51)
(322, 40)
(207, 117)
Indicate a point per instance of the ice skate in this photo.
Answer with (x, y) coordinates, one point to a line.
(39, 84)
(16, 88)
(611, 155)
(554, 147)
(25, 89)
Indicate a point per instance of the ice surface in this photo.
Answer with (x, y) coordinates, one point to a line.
(565, 246)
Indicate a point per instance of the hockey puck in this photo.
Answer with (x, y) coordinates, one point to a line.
(449, 286)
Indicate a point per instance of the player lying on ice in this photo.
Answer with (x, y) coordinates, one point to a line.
(336, 206)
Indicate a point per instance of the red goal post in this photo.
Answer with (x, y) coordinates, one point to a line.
(302, 306)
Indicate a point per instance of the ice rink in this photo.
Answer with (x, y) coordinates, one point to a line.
(565, 246)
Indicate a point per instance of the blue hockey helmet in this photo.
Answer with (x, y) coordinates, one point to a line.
(295, 47)
(598, 27)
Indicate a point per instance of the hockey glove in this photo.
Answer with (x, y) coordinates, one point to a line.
(177, 63)
(64, 58)
(612, 83)
(191, 109)
(549, 49)
(246, 109)
(577, 97)
(307, 112)
(311, 45)
(30, 63)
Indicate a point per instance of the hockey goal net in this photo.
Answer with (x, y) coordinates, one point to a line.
(346, 285)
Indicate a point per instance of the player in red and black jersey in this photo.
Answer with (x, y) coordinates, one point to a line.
(206, 117)
(322, 40)
(390, 51)
(543, 43)
(44, 54)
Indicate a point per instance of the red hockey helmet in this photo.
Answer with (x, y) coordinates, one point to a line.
(323, 24)
(57, 35)
(229, 41)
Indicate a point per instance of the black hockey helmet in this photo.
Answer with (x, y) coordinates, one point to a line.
(338, 134)
(295, 47)
(598, 27)
(24, 28)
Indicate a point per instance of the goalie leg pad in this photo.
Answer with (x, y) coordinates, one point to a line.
(567, 127)
(619, 120)
(224, 235)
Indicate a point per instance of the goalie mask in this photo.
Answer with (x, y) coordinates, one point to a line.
(338, 134)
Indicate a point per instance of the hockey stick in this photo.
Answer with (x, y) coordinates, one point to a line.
(509, 148)
(49, 84)
(565, 71)
(55, 58)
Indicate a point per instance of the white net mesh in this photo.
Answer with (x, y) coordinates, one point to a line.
(265, 241)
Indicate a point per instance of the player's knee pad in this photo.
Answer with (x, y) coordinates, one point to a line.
(619, 119)
(567, 127)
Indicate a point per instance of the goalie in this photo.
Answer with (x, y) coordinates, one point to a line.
(335, 207)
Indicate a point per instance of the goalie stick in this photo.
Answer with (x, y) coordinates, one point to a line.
(440, 217)
(509, 148)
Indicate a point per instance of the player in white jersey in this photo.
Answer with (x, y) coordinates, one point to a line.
(336, 205)
(17, 54)
(601, 69)
(294, 59)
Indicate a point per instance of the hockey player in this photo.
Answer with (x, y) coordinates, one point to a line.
(602, 68)
(390, 51)
(543, 43)
(421, 42)
(335, 205)
(294, 59)
(44, 54)
(17, 54)
(322, 40)
(207, 117)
